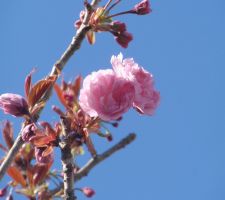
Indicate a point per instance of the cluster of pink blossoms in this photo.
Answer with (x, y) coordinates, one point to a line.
(109, 93)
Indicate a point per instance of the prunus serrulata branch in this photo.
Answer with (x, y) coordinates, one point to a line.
(67, 163)
(58, 66)
(98, 159)
(95, 161)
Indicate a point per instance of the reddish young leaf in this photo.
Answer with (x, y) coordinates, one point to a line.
(41, 140)
(16, 175)
(41, 170)
(91, 37)
(39, 89)
(59, 93)
(8, 134)
(48, 128)
(37, 108)
(77, 85)
(3, 148)
(47, 151)
(27, 85)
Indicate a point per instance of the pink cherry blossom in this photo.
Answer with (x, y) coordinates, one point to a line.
(106, 95)
(13, 104)
(146, 97)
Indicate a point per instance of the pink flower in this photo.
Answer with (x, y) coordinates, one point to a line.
(142, 8)
(146, 97)
(89, 192)
(13, 104)
(106, 95)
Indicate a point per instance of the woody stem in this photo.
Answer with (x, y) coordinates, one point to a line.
(97, 160)
(58, 66)
(67, 162)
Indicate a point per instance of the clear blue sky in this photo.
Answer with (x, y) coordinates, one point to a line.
(180, 152)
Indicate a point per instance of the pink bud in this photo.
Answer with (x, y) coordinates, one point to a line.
(77, 23)
(89, 192)
(13, 104)
(109, 137)
(39, 155)
(118, 26)
(142, 8)
(115, 124)
(3, 191)
(28, 132)
(123, 39)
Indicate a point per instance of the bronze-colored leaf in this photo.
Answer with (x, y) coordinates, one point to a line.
(42, 140)
(77, 85)
(39, 140)
(41, 170)
(39, 89)
(91, 37)
(47, 151)
(16, 175)
(8, 134)
(3, 148)
(27, 84)
(59, 93)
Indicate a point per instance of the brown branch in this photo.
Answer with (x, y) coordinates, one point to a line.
(67, 163)
(98, 159)
(58, 66)
(11, 154)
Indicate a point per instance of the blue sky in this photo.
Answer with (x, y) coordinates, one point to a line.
(179, 152)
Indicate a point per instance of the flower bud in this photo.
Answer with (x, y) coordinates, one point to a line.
(88, 192)
(43, 159)
(13, 104)
(3, 191)
(109, 137)
(123, 39)
(142, 8)
(118, 26)
(28, 132)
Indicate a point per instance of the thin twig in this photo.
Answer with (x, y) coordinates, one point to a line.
(98, 159)
(58, 66)
(11, 154)
(94, 161)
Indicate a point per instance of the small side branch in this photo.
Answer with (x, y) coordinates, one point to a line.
(58, 66)
(98, 159)
(10, 156)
